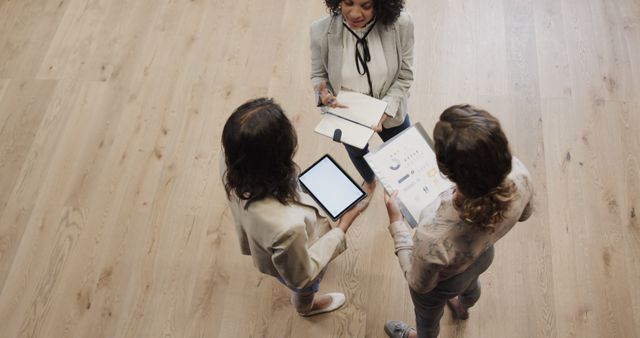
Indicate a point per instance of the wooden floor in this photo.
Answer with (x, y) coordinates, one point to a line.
(113, 221)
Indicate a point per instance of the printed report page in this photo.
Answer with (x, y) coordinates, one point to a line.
(407, 164)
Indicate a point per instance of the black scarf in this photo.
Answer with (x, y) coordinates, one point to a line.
(362, 59)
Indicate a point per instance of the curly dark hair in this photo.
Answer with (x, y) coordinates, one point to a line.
(259, 143)
(386, 11)
(473, 152)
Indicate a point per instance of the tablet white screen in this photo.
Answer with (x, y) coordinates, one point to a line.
(331, 187)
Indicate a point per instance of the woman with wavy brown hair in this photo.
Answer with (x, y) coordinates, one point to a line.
(277, 224)
(365, 46)
(453, 243)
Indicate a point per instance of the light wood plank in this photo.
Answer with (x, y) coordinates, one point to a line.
(114, 222)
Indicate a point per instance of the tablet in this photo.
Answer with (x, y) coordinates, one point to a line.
(329, 185)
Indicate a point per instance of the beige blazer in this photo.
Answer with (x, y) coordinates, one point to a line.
(397, 44)
(293, 242)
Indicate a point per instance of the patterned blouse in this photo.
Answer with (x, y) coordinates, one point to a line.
(444, 245)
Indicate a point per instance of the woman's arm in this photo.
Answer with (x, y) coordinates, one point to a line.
(522, 179)
(400, 88)
(300, 265)
(421, 272)
(318, 71)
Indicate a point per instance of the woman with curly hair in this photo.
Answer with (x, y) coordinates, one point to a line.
(453, 243)
(365, 46)
(277, 224)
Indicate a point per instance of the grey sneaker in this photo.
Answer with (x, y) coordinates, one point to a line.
(397, 329)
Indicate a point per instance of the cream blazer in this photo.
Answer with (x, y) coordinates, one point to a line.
(397, 44)
(293, 242)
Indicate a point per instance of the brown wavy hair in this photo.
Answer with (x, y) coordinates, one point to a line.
(259, 143)
(473, 152)
(386, 11)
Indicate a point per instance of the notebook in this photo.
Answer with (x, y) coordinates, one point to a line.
(352, 125)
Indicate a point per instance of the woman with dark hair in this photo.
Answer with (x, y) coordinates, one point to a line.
(276, 223)
(453, 244)
(365, 46)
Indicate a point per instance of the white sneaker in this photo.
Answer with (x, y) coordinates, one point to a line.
(337, 300)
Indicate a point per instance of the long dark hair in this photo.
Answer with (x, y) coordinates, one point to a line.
(473, 152)
(259, 142)
(386, 11)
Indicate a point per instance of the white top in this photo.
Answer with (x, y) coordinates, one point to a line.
(351, 79)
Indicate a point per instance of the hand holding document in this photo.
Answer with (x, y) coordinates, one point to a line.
(352, 125)
(393, 210)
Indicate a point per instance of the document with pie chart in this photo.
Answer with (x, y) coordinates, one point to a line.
(407, 163)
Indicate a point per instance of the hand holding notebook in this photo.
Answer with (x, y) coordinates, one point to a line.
(354, 123)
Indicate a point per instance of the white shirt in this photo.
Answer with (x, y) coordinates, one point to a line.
(351, 79)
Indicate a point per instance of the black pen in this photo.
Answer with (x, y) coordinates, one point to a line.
(344, 118)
